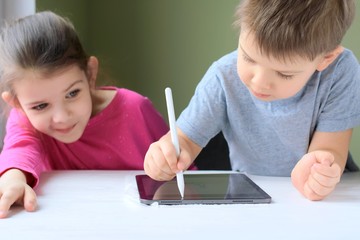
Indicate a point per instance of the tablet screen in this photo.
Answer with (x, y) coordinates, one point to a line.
(202, 189)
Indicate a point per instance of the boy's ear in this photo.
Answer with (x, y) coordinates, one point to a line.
(10, 99)
(329, 58)
(92, 71)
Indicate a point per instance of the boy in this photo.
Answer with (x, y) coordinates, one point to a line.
(286, 100)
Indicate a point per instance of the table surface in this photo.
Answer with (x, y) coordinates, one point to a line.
(105, 205)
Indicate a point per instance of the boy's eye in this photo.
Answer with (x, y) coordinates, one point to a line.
(247, 59)
(284, 76)
(73, 94)
(40, 107)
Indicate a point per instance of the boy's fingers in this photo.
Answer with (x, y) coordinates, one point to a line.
(310, 194)
(168, 149)
(332, 171)
(155, 164)
(324, 180)
(319, 188)
(325, 158)
(184, 161)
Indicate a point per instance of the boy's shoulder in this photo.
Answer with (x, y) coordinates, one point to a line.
(225, 64)
(347, 57)
(346, 63)
(229, 58)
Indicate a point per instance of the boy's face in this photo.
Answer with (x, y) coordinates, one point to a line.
(269, 79)
(59, 105)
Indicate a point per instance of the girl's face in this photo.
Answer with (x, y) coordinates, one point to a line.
(59, 105)
(267, 78)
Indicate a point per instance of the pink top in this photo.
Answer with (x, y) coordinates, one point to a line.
(117, 138)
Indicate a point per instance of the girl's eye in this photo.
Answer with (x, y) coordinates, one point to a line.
(73, 94)
(286, 77)
(40, 107)
(247, 59)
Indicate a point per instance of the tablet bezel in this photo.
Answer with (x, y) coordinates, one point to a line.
(148, 198)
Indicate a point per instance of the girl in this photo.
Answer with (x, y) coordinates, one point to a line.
(59, 119)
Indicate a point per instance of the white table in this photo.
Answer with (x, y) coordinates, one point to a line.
(104, 205)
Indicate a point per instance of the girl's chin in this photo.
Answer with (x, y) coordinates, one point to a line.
(67, 139)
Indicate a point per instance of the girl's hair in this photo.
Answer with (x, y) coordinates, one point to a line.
(288, 28)
(44, 42)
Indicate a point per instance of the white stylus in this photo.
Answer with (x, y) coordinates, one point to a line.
(174, 137)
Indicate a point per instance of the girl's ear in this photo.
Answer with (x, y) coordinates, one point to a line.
(329, 58)
(10, 99)
(92, 71)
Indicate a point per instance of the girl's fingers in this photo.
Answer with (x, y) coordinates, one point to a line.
(7, 199)
(30, 202)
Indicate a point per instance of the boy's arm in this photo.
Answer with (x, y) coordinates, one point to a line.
(161, 162)
(318, 171)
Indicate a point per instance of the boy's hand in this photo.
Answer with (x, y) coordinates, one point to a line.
(14, 189)
(316, 174)
(161, 162)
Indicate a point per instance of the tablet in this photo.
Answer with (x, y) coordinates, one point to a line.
(213, 188)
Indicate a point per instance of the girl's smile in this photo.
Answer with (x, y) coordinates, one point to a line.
(65, 130)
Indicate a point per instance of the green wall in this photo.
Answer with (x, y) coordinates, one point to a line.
(352, 41)
(147, 45)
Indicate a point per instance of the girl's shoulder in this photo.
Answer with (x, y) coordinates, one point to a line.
(125, 99)
(126, 96)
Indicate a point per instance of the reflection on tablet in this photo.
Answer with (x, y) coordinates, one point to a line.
(202, 189)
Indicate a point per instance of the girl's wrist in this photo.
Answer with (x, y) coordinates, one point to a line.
(14, 173)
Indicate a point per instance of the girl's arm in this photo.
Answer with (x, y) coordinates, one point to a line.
(14, 189)
(22, 148)
(318, 172)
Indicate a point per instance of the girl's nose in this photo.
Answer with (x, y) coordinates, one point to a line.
(60, 115)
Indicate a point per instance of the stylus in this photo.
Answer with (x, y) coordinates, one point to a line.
(174, 137)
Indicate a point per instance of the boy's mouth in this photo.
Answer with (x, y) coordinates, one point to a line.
(260, 95)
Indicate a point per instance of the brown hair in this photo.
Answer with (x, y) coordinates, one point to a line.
(287, 28)
(44, 42)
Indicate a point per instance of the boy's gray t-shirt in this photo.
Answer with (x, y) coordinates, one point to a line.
(269, 138)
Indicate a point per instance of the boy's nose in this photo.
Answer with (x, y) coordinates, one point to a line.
(261, 81)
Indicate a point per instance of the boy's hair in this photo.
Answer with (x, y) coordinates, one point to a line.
(288, 28)
(44, 42)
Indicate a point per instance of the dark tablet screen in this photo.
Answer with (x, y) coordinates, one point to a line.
(202, 189)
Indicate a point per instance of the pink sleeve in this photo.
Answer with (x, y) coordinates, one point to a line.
(22, 147)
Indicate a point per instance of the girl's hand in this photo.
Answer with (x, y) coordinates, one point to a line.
(14, 189)
(316, 174)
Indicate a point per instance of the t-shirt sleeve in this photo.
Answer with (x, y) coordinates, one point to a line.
(341, 108)
(204, 117)
(22, 148)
